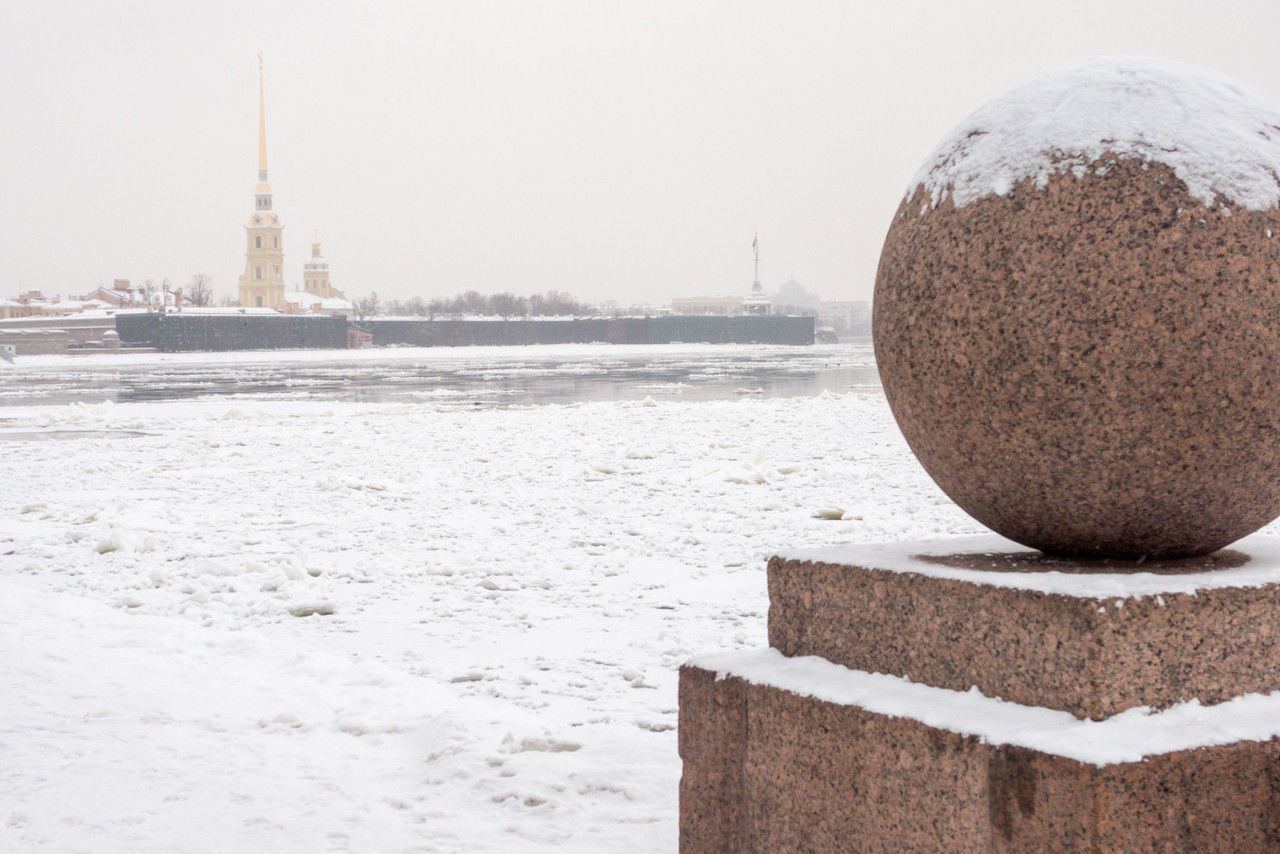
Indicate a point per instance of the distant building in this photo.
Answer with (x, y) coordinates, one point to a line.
(262, 285)
(706, 305)
(121, 294)
(28, 304)
(318, 295)
(848, 318)
(756, 302)
(315, 276)
(794, 298)
(101, 300)
(34, 304)
(301, 302)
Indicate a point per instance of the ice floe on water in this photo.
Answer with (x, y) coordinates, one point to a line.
(493, 376)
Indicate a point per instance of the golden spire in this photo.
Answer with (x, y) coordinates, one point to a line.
(262, 121)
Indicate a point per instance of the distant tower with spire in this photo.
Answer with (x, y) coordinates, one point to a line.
(756, 302)
(262, 285)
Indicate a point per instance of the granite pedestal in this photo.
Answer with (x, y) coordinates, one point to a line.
(974, 695)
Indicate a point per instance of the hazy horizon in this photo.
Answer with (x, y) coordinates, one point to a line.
(615, 151)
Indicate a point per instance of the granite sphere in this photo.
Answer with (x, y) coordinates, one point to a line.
(1077, 311)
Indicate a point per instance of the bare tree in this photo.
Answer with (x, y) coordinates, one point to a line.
(200, 290)
(366, 307)
(507, 304)
(557, 303)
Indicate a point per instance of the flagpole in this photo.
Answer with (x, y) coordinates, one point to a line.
(755, 246)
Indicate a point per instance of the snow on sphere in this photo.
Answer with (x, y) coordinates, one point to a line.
(1077, 311)
(1220, 137)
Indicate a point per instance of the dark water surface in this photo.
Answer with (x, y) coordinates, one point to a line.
(490, 376)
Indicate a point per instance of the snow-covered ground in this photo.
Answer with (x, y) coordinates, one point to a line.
(309, 626)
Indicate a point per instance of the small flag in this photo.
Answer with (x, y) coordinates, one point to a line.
(755, 241)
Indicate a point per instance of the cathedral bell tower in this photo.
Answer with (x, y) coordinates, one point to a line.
(262, 285)
(315, 275)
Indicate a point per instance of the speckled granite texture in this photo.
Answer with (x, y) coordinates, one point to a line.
(1090, 657)
(1089, 368)
(769, 770)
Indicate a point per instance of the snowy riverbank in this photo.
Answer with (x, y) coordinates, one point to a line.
(499, 601)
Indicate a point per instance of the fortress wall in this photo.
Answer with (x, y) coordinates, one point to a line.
(182, 332)
(671, 329)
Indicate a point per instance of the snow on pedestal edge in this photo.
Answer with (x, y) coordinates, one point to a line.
(1220, 136)
(1261, 568)
(1130, 736)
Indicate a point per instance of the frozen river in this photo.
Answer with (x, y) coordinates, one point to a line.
(322, 601)
(485, 376)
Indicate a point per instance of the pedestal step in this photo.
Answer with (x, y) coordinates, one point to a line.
(878, 763)
(1073, 635)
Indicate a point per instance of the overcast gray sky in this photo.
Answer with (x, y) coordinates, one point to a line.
(616, 150)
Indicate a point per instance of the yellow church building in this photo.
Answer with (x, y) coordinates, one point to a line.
(262, 285)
